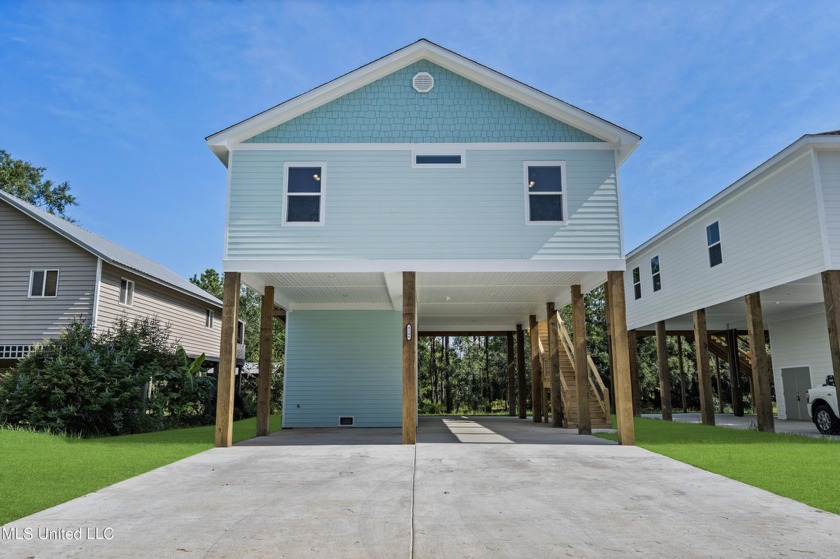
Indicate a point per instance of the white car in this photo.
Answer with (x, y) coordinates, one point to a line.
(822, 407)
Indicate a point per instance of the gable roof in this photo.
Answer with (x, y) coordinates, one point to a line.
(424, 50)
(829, 139)
(109, 252)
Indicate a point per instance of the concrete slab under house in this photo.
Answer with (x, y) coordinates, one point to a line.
(758, 263)
(423, 193)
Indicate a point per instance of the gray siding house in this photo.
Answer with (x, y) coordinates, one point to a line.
(420, 193)
(52, 272)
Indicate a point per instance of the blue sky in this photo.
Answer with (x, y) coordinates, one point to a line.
(117, 97)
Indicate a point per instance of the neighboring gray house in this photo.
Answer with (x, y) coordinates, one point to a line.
(52, 271)
(774, 235)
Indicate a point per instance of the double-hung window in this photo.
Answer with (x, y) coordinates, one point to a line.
(43, 283)
(126, 292)
(713, 242)
(545, 184)
(637, 283)
(304, 194)
(654, 273)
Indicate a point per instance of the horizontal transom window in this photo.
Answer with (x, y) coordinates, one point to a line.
(436, 160)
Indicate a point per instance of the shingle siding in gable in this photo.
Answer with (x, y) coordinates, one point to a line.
(24, 246)
(389, 110)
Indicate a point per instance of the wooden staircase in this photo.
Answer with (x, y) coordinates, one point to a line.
(599, 410)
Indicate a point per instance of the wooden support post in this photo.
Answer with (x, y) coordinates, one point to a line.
(536, 370)
(511, 376)
(264, 380)
(581, 363)
(683, 379)
(621, 359)
(704, 375)
(735, 373)
(227, 361)
(633, 348)
(520, 370)
(831, 300)
(409, 359)
(554, 353)
(664, 372)
(762, 405)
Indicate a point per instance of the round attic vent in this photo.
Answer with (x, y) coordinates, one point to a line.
(423, 82)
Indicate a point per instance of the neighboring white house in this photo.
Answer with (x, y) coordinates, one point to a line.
(489, 197)
(53, 271)
(776, 232)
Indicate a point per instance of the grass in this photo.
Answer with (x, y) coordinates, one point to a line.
(39, 470)
(801, 468)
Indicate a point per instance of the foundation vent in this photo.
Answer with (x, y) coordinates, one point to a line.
(345, 421)
(422, 82)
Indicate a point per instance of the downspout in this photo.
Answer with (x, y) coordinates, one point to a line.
(98, 282)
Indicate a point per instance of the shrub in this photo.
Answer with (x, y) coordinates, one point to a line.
(129, 379)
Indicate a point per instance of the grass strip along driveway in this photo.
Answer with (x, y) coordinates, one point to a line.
(38, 470)
(800, 468)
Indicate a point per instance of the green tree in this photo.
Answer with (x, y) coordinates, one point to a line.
(25, 181)
(250, 302)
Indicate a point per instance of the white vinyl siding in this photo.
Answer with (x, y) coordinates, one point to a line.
(185, 316)
(800, 342)
(829, 170)
(26, 246)
(343, 363)
(773, 237)
(380, 207)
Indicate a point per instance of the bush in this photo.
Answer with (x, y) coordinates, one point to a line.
(127, 380)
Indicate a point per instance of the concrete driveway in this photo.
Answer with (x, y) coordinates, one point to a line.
(485, 487)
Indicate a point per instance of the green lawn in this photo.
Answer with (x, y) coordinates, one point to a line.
(800, 468)
(38, 470)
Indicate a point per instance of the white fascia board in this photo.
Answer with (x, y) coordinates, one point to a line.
(386, 266)
(221, 141)
(776, 163)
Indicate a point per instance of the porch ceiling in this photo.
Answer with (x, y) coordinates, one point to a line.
(790, 300)
(447, 301)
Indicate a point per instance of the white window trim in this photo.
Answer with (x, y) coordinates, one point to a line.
(322, 194)
(209, 318)
(563, 192)
(635, 283)
(29, 294)
(659, 273)
(708, 246)
(438, 151)
(129, 292)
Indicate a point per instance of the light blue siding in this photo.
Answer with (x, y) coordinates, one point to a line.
(379, 207)
(343, 363)
(389, 110)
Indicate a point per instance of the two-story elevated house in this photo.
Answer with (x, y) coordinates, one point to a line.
(53, 272)
(422, 192)
(758, 262)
